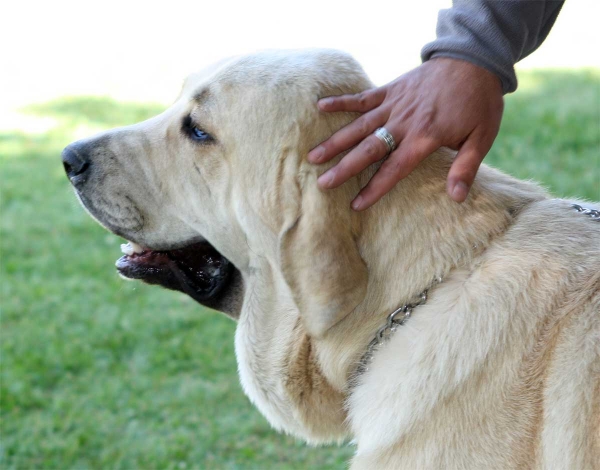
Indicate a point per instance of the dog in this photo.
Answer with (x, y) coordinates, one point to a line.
(433, 334)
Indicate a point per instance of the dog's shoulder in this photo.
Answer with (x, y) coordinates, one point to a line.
(556, 227)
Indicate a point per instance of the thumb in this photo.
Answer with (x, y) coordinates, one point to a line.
(465, 165)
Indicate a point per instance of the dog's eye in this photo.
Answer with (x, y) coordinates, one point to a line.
(199, 135)
(194, 132)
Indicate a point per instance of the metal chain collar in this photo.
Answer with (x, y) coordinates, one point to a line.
(592, 213)
(394, 320)
(401, 315)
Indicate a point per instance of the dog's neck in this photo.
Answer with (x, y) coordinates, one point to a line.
(412, 235)
(417, 233)
(425, 233)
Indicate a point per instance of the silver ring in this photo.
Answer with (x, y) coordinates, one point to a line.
(384, 135)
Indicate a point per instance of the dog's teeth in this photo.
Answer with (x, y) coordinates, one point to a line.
(127, 249)
(130, 248)
(136, 248)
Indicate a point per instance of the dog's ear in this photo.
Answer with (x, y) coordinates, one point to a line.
(319, 255)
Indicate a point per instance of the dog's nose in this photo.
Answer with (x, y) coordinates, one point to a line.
(76, 164)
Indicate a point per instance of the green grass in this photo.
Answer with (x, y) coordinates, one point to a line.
(100, 373)
(551, 132)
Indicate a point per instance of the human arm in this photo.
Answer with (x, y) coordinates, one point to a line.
(453, 99)
(493, 34)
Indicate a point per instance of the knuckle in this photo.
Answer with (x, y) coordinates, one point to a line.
(365, 126)
(362, 99)
(334, 144)
(371, 150)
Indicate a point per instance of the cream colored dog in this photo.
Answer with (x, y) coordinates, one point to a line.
(498, 369)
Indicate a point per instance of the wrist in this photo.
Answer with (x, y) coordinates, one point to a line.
(472, 70)
(507, 82)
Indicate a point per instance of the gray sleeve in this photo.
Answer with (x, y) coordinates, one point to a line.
(493, 34)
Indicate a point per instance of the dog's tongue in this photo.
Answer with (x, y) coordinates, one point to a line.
(197, 270)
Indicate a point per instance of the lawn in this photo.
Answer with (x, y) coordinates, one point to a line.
(100, 373)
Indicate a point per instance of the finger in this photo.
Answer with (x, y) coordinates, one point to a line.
(399, 164)
(465, 165)
(370, 150)
(348, 136)
(360, 102)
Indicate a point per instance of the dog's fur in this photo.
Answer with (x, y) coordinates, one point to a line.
(499, 369)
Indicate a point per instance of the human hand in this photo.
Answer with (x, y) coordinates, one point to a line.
(443, 102)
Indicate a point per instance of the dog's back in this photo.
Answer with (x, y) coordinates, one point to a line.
(513, 349)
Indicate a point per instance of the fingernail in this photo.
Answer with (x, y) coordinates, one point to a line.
(357, 203)
(316, 155)
(325, 179)
(323, 103)
(460, 191)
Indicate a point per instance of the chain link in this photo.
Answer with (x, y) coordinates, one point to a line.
(401, 315)
(592, 213)
(394, 320)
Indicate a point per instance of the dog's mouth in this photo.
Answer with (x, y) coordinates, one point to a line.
(197, 269)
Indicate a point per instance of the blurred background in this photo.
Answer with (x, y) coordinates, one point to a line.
(99, 373)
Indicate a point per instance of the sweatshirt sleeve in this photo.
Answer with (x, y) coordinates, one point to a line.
(493, 34)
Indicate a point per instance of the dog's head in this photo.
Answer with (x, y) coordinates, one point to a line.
(221, 177)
